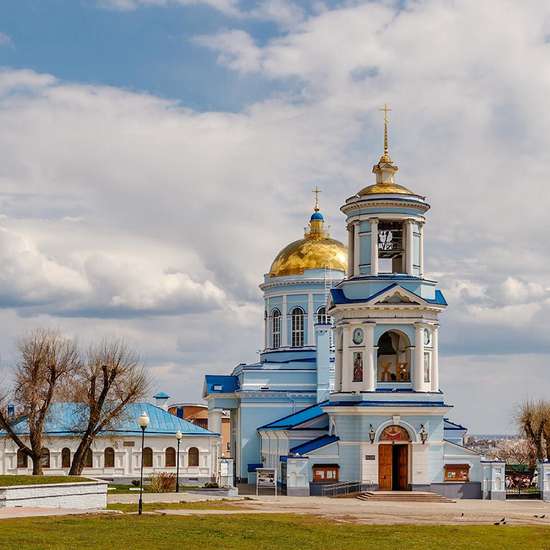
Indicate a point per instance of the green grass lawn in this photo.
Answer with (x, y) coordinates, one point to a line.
(8, 481)
(258, 532)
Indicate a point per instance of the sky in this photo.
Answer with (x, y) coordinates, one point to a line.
(155, 155)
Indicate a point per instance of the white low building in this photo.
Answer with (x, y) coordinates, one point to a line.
(116, 454)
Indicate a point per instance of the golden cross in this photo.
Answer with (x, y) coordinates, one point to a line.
(316, 191)
(386, 110)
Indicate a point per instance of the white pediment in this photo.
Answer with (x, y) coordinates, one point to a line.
(397, 295)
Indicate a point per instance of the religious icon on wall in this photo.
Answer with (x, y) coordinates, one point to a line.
(357, 366)
(403, 372)
(357, 336)
(387, 369)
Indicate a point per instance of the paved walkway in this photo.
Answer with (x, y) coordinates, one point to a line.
(355, 511)
(167, 497)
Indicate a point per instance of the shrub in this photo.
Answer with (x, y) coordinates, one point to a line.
(163, 482)
(211, 485)
(135, 482)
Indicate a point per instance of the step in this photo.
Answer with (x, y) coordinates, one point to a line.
(402, 496)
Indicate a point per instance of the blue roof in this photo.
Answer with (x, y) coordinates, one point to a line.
(295, 419)
(317, 216)
(314, 444)
(339, 297)
(448, 425)
(216, 383)
(66, 419)
(161, 395)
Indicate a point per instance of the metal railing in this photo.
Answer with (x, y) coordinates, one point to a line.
(347, 488)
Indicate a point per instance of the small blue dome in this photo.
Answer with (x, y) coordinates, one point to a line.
(317, 216)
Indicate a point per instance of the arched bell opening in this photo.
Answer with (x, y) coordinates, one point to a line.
(394, 358)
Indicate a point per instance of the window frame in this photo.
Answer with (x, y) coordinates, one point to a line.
(297, 316)
(147, 457)
(170, 457)
(276, 320)
(111, 454)
(65, 463)
(193, 452)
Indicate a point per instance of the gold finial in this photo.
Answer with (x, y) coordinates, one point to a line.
(386, 156)
(316, 191)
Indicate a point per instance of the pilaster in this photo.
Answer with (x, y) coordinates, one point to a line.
(435, 358)
(310, 321)
(346, 358)
(284, 328)
(370, 360)
(409, 247)
(421, 247)
(356, 249)
(418, 375)
(350, 250)
(374, 246)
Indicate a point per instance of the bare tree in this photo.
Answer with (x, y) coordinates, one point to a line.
(46, 360)
(110, 379)
(515, 451)
(532, 419)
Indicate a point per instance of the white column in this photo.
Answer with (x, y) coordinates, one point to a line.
(267, 328)
(310, 321)
(435, 359)
(350, 250)
(374, 246)
(346, 358)
(418, 378)
(338, 359)
(284, 328)
(356, 249)
(409, 247)
(370, 361)
(215, 420)
(421, 247)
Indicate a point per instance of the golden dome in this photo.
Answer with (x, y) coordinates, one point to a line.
(315, 251)
(381, 188)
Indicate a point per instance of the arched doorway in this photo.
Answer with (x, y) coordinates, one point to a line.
(393, 459)
(394, 357)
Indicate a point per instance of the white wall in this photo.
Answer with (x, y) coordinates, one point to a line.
(127, 456)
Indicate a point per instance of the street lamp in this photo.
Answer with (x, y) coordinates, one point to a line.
(179, 435)
(372, 434)
(143, 422)
(423, 434)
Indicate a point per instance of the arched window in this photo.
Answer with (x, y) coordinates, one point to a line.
(45, 457)
(322, 318)
(89, 459)
(276, 329)
(109, 457)
(22, 459)
(193, 457)
(297, 327)
(170, 457)
(148, 457)
(65, 457)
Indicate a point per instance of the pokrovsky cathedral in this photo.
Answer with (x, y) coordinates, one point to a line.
(347, 386)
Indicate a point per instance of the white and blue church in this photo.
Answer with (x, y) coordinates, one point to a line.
(347, 387)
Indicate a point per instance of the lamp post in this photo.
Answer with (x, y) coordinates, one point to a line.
(423, 434)
(179, 435)
(143, 422)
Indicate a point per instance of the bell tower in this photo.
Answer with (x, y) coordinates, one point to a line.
(386, 311)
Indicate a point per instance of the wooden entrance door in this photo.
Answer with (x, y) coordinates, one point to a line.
(385, 467)
(402, 467)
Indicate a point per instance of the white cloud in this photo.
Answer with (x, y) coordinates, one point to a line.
(138, 200)
(236, 50)
(229, 7)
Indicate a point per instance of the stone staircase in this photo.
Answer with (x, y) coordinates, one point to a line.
(402, 496)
